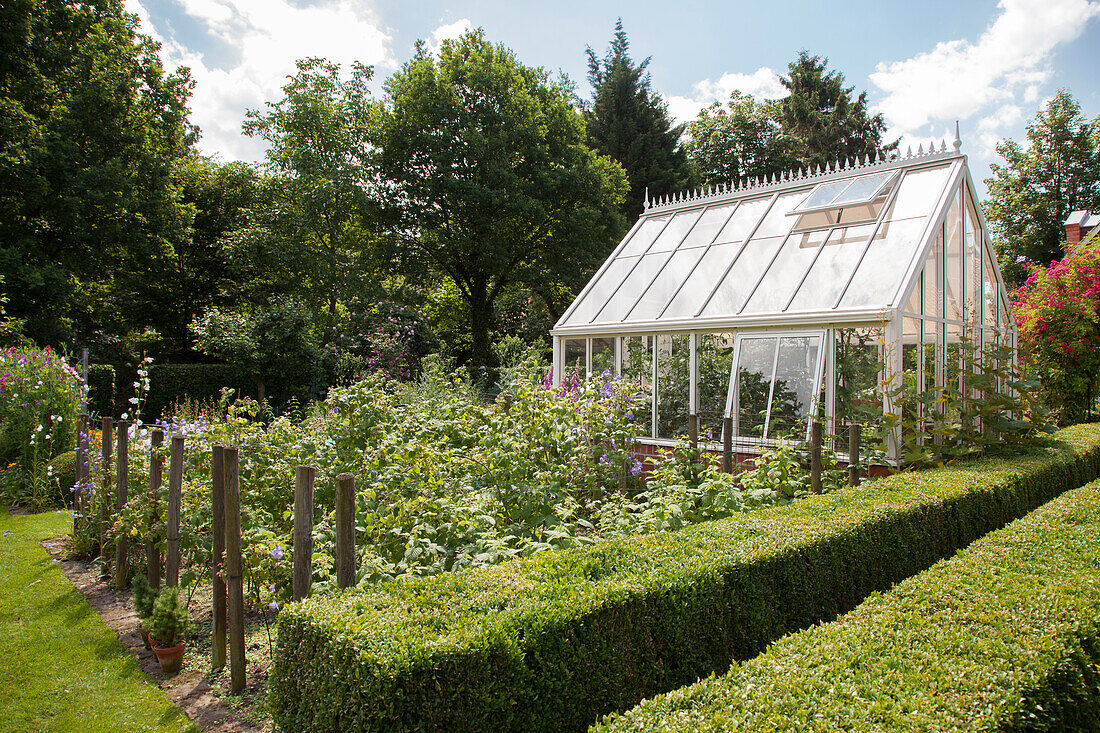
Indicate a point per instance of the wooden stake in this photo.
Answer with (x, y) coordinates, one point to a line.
(234, 582)
(345, 530)
(152, 546)
(175, 496)
(303, 531)
(853, 455)
(122, 488)
(815, 456)
(727, 444)
(693, 430)
(108, 479)
(217, 507)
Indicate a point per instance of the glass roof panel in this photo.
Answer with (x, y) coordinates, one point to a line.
(644, 235)
(863, 189)
(776, 222)
(702, 280)
(746, 270)
(656, 297)
(824, 194)
(619, 304)
(710, 222)
(743, 220)
(919, 192)
(880, 273)
(673, 234)
(832, 269)
(601, 290)
(786, 272)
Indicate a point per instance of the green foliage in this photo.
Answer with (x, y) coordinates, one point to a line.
(1058, 316)
(168, 624)
(822, 120)
(101, 389)
(171, 384)
(550, 642)
(40, 397)
(1040, 183)
(273, 344)
(145, 597)
(743, 140)
(1004, 636)
(90, 128)
(492, 183)
(627, 121)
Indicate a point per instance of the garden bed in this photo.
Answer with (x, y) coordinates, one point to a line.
(1004, 636)
(553, 641)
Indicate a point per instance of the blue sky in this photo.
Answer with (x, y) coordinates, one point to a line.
(990, 65)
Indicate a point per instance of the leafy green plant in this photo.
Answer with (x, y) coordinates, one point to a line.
(169, 621)
(145, 597)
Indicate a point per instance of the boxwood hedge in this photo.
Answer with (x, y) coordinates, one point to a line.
(1004, 636)
(553, 641)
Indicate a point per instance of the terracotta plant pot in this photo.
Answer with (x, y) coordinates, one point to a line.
(170, 658)
(144, 635)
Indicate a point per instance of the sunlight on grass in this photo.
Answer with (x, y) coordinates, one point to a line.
(63, 669)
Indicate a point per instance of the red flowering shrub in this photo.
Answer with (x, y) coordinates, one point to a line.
(1058, 320)
(389, 338)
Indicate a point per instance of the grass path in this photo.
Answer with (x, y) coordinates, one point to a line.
(61, 668)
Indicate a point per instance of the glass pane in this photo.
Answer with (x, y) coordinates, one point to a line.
(730, 295)
(863, 189)
(989, 291)
(919, 193)
(777, 223)
(754, 381)
(824, 194)
(674, 233)
(673, 365)
(701, 282)
(792, 394)
(657, 295)
(953, 261)
(603, 358)
(910, 365)
(859, 363)
(916, 298)
(743, 220)
(638, 368)
(883, 267)
(644, 235)
(932, 348)
(619, 304)
(786, 272)
(573, 351)
(933, 281)
(973, 244)
(713, 358)
(712, 220)
(601, 290)
(832, 270)
(953, 355)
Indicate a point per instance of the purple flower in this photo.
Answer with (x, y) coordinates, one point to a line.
(274, 606)
(636, 468)
(7, 532)
(277, 551)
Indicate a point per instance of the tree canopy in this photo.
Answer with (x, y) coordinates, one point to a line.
(743, 139)
(1039, 184)
(491, 178)
(629, 122)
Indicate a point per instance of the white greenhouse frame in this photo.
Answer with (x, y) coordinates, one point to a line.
(906, 255)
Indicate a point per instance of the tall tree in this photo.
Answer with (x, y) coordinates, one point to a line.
(90, 128)
(490, 176)
(1031, 195)
(319, 157)
(629, 122)
(822, 118)
(741, 140)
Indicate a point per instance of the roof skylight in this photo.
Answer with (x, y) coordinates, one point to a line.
(848, 192)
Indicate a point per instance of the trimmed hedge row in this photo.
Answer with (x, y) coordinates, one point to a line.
(171, 383)
(1005, 636)
(554, 641)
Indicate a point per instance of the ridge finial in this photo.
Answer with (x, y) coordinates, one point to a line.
(957, 143)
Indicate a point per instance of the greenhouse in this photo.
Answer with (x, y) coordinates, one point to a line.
(774, 301)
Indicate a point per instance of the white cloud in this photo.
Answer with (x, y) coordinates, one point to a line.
(958, 80)
(266, 37)
(762, 84)
(449, 30)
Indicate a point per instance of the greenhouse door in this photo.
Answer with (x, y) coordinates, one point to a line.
(775, 382)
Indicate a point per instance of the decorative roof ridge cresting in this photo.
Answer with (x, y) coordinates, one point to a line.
(792, 178)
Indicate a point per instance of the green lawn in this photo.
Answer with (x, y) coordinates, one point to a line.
(61, 668)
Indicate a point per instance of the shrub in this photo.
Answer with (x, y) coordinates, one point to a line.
(1004, 636)
(170, 384)
(145, 597)
(101, 389)
(552, 641)
(168, 624)
(40, 396)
